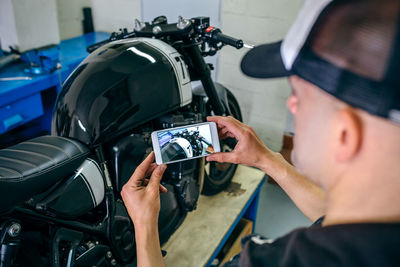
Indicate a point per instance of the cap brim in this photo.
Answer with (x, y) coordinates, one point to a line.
(264, 61)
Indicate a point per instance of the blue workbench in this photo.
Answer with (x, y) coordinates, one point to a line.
(205, 231)
(24, 101)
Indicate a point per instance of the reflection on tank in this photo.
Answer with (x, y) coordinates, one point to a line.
(185, 143)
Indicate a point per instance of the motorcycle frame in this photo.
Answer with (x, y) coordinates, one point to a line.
(101, 230)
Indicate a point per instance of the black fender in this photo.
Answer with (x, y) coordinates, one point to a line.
(221, 91)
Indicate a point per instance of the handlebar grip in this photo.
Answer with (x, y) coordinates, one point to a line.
(220, 37)
(93, 47)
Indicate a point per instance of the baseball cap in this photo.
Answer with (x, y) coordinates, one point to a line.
(348, 48)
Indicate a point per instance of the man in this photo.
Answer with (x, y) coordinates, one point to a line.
(343, 62)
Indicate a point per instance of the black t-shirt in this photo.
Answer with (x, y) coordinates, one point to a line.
(363, 244)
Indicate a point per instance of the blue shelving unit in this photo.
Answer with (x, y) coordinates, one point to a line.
(25, 101)
(248, 212)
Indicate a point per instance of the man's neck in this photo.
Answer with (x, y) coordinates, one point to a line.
(365, 196)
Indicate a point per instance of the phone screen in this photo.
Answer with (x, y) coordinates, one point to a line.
(188, 142)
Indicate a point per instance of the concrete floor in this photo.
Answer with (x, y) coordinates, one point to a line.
(277, 215)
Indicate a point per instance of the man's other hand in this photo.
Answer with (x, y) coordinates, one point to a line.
(141, 195)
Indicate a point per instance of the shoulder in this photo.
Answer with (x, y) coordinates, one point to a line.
(339, 245)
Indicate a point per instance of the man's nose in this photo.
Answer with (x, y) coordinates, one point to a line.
(291, 103)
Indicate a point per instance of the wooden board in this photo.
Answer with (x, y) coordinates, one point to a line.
(203, 229)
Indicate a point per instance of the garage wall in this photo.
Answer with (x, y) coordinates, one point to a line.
(28, 24)
(263, 102)
(108, 16)
(255, 21)
(70, 17)
(8, 29)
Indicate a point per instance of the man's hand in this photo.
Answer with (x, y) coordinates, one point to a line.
(142, 200)
(249, 150)
(141, 195)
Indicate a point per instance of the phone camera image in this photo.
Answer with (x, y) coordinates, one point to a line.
(185, 143)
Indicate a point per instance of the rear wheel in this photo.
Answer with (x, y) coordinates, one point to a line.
(219, 175)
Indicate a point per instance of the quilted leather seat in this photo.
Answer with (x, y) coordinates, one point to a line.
(30, 167)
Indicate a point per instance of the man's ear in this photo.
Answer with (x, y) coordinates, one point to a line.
(348, 134)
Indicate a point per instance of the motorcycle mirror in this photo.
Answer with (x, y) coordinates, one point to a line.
(139, 25)
(159, 20)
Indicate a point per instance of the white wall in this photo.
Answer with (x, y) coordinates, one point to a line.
(185, 8)
(70, 17)
(263, 102)
(108, 16)
(28, 24)
(8, 29)
(255, 21)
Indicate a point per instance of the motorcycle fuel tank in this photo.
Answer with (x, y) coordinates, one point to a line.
(118, 87)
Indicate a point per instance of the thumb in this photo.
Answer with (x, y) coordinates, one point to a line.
(229, 157)
(154, 183)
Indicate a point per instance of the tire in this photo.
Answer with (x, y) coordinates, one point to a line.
(218, 176)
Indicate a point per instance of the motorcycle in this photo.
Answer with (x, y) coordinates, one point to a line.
(60, 201)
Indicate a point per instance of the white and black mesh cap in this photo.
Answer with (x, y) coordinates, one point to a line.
(349, 48)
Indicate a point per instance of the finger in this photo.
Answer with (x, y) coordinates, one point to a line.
(233, 125)
(229, 157)
(150, 170)
(227, 135)
(219, 130)
(162, 188)
(141, 170)
(154, 183)
(218, 119)
(236, 122)
(222, 132)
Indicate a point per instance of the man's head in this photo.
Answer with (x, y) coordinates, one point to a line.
(314, 112)
(343, 59)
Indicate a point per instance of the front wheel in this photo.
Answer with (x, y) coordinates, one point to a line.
(219, 175)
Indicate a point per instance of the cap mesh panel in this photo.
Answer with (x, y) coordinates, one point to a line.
(357, 35)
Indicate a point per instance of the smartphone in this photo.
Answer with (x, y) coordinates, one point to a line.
(185, 142)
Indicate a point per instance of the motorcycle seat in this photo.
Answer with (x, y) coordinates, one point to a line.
(31, 167)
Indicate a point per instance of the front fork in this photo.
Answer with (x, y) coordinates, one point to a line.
(203, 73)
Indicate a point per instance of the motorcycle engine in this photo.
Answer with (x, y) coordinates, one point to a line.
(183, 174)
(182, 179)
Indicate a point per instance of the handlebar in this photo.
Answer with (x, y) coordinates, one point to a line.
(122, 34)
(197, 28)
(93, 47)
(217, 36)
(237, 43)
